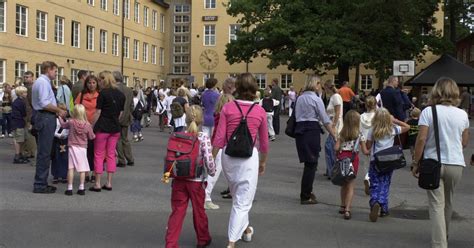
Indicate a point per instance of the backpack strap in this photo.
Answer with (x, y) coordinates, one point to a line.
(436, 132)
(240, 110)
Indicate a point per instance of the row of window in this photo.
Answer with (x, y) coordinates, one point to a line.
(21, 23)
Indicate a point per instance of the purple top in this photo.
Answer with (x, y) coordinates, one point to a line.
(209, 100)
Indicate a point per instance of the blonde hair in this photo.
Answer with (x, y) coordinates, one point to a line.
(415, 113)
(382, 123)
(64, 80)
(193, 118)
(223, 99)
(79, 112)
(445, 91)
(350, 129)
(370, 103)
(109, 80)
(181, 92)
(312, 83)
(329, 84)
(20, 90)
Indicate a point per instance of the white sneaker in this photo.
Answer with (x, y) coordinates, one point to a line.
(247, 237)
(10, 135)
(2, 136)
(209, 205)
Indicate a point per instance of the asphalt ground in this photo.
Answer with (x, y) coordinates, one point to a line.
(135, 213)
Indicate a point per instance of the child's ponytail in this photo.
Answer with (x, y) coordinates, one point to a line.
(193, 118)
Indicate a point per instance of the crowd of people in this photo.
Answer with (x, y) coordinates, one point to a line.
(84, 127)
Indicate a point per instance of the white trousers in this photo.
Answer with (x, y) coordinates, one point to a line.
(271, 131)
(211, 181)
(242, 174)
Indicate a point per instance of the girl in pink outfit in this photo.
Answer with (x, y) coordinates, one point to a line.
(80, 131)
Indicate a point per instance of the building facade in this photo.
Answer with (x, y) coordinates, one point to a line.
(465, 50)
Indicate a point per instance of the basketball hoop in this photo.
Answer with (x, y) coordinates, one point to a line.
(404, 68)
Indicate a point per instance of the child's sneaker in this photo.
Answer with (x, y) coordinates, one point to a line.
(10, 135)
(272, 138)
(247, 237)
(209, 205)
(2, 136)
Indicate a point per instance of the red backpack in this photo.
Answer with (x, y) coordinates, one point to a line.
(182, 157)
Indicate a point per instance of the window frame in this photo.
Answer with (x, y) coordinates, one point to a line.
(116, 7)
(146, 12)
(154, 20)
(145, 52)
(39, 21)
(115, 44)
(126, 9)
(233, 36)
(73, 38)
(284, 78)
(17, 21)
(4, 11)
(210, 4)
(162, 23)
(58, 31)
(126, 48)
(103, 5)
(3, 71)
(208, 37)
(90, 39)
(136, 12)
(258, 79)
(136, 50)
(18, 72)
(162, 56)
(364, 81)
(103, 43)
(153, 54)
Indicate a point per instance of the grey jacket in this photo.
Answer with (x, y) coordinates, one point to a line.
(126, 118)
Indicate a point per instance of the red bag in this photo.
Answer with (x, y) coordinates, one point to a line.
(182, 157)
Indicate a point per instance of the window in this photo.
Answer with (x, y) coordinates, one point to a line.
(162, 56)
(41, 24)
(125, 80)
(38, 71)
(180, 69)
(179, 29)
(75, 34)
(21, 20)
(471, 53)
(103, 41)
(136, 48)
(59, 30)
(103, 5)
(206, 77)
(90, 38)
(182, 8)
(136, 13)
(126, 9)
(233, 28)
(145, 52)
(154, 20)
(115, 44)
(116, 7)
(336, 79)
(90, 2)
(3, 19)
(181, 49)
(20, 68)
(3, 74)
(153, 82)
(145, 16)
(125, 47)
(58, 75)
(181, 59)
(153, 54)
(181, 19)
(366, 82)
(74, 78)
(286, 80)
(261, 80)
(210, 4)
(209, 35)
(181, 39)
(162, 23)
(145, 83)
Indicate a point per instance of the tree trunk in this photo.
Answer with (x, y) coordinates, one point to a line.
(357, 77)
(343, 72)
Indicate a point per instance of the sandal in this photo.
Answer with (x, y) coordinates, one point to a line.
(347, 215)
(342, 209)
(107, 188)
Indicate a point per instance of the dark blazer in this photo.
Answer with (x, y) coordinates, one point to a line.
(393, 102)
(126, 118)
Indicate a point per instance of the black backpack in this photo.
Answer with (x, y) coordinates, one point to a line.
(138, 111)
(240, 143)
(267, 104)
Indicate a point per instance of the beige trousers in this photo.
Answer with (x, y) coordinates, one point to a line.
(29, 147)
(440, 204)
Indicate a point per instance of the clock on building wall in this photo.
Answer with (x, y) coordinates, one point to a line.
(209, 59)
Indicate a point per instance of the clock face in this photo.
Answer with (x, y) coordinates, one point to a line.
(209, 59)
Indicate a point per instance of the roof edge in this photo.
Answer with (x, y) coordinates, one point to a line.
(161, 3)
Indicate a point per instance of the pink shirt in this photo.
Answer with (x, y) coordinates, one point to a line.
(79, 132)
(230, 118)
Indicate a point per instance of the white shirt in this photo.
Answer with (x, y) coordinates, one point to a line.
(366, 122)
(292, 95)
(169, 100)
(452, 122)
(164, 91)
(335, 100)
(161, 106)
(63, 134)
(135, 102)
(385, 142)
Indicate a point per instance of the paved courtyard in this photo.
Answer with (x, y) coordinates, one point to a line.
(135, 213)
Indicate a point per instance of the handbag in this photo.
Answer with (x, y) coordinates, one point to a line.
(430, 169)
(291, 124)
(390, 159)
(343, 170)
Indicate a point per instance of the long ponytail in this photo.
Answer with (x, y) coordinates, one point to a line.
(193, 118)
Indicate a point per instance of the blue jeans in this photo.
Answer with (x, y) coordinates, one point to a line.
(330, 154)
(45, 123)
(6, 123)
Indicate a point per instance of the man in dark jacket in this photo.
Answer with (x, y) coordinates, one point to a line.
(392, 99)
(276, 94)
(124, 150)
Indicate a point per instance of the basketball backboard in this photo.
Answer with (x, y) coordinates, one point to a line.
(404, 68)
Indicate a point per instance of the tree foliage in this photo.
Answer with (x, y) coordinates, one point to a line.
(328, 34)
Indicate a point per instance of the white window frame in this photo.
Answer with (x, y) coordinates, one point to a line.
(182, 8)
(126, 47)
(162, 56)
(154, 20)
(146, 11)
(126, 9)
(3, 71)
(76, 39)
(210, 4)
(136, 50)
(103, 5)
(41, 25)
(115, 44)
(90, 30)
(59, 30)
(136, 12)
(145, 52)
(183, 69)
(180, 19)
(286, 80)
(181, 39)
(261, 77)
(181, 59)
(125, 80)
(3, 17)
(20, 71)
(153, 54)
(58, 75)
(91, 2)
(103, 41)
(364, 81)
(180, 49)
(162, 23)
(74, 72)
(23, 22)
(181, 29)
(145, 83)
(209, 33)
(233, 28)
(206, 76)
(116, 7)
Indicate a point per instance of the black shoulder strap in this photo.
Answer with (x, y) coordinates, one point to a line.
(240, 110)
(436, 132)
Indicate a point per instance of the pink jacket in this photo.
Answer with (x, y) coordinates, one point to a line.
(79, 132)
(230, 118)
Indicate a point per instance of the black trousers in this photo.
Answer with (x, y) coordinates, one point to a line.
(346, 106)
(276, 119)
(307, 180)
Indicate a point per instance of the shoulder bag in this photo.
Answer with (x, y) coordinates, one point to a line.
(343, 170)
(430, 169)
(390, 159)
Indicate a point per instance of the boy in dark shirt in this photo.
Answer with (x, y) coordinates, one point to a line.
(18, 124)
(413, 132)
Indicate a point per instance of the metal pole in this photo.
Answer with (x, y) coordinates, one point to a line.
(123, 32)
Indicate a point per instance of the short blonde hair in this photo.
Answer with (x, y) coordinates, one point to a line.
(415, 113)
(312, 83)
(445, 91)
(20, 90)
(79, 112)
(329, 84)
(193, 118)
(109, 80)
(370, 103)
